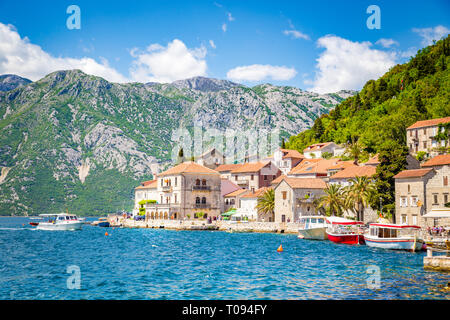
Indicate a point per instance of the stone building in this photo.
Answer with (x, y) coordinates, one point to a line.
(317, 150)
(255, 175)
(226, 169)
(232, 199)
(421, 136)
(185, 191)
(418, 191)
(294, 198)
(286, 159)
(146, 191)
(211, 159)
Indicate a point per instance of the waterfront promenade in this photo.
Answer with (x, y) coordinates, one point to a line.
(222, 225)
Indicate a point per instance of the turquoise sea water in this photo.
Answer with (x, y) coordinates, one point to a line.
(165, 264)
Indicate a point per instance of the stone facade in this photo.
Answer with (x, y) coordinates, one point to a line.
(253, 179)
(292, 202)
(419, 137)
(182, 195)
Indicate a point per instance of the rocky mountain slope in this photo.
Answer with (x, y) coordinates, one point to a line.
(11, 81)
(76, 141)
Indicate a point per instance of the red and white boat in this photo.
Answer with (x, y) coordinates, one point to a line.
(341, 230)
(394, 236)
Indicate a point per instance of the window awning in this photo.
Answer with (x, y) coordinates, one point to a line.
(438, 213)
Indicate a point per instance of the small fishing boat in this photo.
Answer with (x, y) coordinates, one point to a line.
(346, 231)
(59, 221)
(394, 236)
(101, 222)
(313, 227)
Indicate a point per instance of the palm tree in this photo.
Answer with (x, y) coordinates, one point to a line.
(333, 202)
(359, 194)
(354, 150)
(266, 202)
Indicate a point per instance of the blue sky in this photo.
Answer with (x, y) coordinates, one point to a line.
(318, 45)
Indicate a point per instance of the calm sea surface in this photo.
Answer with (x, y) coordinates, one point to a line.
(164, 264)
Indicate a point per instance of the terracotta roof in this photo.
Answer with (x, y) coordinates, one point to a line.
(259, 192)
(373, 160)
(250, 167)
(440, 160)
(305, 183)
(288, 153)
(355, 171)
(150, 184)
(342, 165)
(236, 193)
(278, 180)
(188, 167)
(316, 147)
(429, 123)
(320, 167)
(228, 167)
(415, 173)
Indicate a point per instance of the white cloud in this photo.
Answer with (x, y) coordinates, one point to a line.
(19, 56)
(296, 34)
(167, 64)
(212, 44)
(224, 27)
(387, 43)
(430, 34)
(230, 17)
(258, 72)
(348, 65)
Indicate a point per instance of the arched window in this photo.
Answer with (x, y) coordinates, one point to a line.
(197, 182)
(197, 200)
(204, 200)
(203, 182)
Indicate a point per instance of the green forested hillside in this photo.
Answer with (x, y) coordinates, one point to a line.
(375, 120)
(417, 90)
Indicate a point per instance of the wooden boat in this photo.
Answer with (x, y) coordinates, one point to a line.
(346, 231)
(394, 237)
(313, 227)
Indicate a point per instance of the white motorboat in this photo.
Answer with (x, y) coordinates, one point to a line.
(60, 221)
(313, 227)
(394, 236)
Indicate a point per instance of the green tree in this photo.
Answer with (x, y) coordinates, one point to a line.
(266, 202)
(333, 201)
(359, 194)
(392, 157)
(354, 149)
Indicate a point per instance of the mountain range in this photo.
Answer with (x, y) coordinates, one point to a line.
(78, 142)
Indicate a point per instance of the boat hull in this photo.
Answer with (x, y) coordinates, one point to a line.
(60, 226)
(104, 224)
(408, 244)
(346, 238)
(313, 233)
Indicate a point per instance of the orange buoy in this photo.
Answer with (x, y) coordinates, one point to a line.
(280, 248)
(106, 233)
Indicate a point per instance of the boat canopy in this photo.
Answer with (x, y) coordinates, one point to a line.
(342, 221)
(393, 226)
(438, 213)
(55, 214)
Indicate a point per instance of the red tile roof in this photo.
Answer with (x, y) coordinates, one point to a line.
(288, 153)
(342, 165)
(429, 123)
(188, 167)
(259, 192)
(415, 173)
(228, 167)
(236, 193)
(355, 171)
(440, 160)
(250, 167)
(150, 184)
(316, 167)
(227, 186)
(305, 183)
(316, 147)
(373, 160)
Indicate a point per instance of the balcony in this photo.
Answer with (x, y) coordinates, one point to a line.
(202, 205)
(201, 188)
(167, 188)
